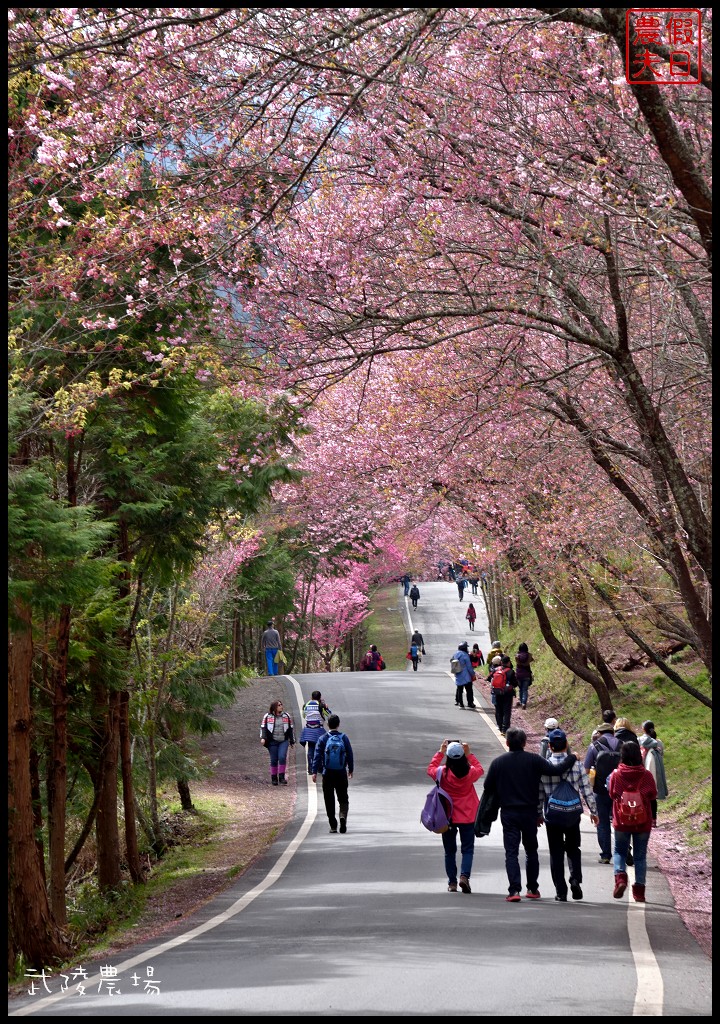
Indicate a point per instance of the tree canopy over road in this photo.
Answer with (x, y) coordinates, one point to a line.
(307, 295)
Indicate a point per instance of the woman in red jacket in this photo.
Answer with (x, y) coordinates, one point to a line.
(460, 773)
(633, 791)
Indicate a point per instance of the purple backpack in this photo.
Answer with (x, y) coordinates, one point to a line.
(437, 813)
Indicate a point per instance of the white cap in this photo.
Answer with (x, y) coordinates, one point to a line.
(551, 723)
(455, 750)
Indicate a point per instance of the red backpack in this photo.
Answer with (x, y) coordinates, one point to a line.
(499, 679)
(631, 812)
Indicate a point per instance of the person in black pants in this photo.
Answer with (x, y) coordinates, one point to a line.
(513, 784)
(334, 761)
(504, 697)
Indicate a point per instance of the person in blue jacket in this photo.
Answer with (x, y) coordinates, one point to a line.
(465, 677)
(335, 762)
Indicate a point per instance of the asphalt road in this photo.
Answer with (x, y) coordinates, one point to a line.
(361, 924)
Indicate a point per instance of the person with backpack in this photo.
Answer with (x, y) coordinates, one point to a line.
(315, 713)
(461, 584)
(512, 783)
(603, 755)
(414, 656)
(471, 615)
(276, 735)
(476, 658)
(414, 594)
(503, 682)
(334, 761)
(462, 670)
(633, 791)
(372, 662)
(458, 777)
(524, 674)
(562, 813)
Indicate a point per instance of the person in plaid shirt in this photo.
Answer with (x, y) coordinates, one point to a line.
(565, 839)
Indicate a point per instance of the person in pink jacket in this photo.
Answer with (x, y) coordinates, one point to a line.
(459, 775)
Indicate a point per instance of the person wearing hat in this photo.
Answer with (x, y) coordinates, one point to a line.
(461, 771)
(495, 651)
(513, 781)
(603, 755)
(465, 677)
(550, 724)
(565, 839)
(494, 663)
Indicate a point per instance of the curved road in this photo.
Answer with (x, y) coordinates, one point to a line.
(361, 924)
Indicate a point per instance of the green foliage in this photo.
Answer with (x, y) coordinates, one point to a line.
(386, 627)
(267, 583)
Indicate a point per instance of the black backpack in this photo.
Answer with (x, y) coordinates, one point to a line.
(606, 762)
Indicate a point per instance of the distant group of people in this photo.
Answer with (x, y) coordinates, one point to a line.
(328, 750)
(504, 679)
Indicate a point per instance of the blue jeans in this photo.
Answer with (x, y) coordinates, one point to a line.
(272, 668)
(520, 826)
(523, 687)
(278, 753)
(640, 842)
(603, 801)
(467, 849)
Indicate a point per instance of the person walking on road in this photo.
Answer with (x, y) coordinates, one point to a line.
(513, 781)
(464, 677)
(550, 724)
(405, 580)
(524, 674)
(334, 761)
(461, 584)
(276, 735)
(603, 756)
(270, 643)
(414, 595)
(414, 656)
(417, 638)
(462, 770)
(564, 839)
(652, 751)
(633, 792)
(476, 658)
(503, 683)
(315, 713)
(471, 615)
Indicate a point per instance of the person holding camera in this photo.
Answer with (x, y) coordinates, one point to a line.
(459, 775)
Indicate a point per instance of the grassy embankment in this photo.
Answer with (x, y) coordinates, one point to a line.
(386, 626)
(681, 722)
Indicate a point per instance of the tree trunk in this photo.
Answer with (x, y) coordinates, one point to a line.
(106, 821)
(131, 840)
(32, 928)
(183, 787)
(57, 769)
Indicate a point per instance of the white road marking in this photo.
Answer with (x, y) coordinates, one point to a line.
(272, 876)
(650, 992)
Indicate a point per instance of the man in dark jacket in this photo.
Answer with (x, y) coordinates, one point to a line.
(335, 769)
(513, 779)
(603, 755)
(414, 594)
